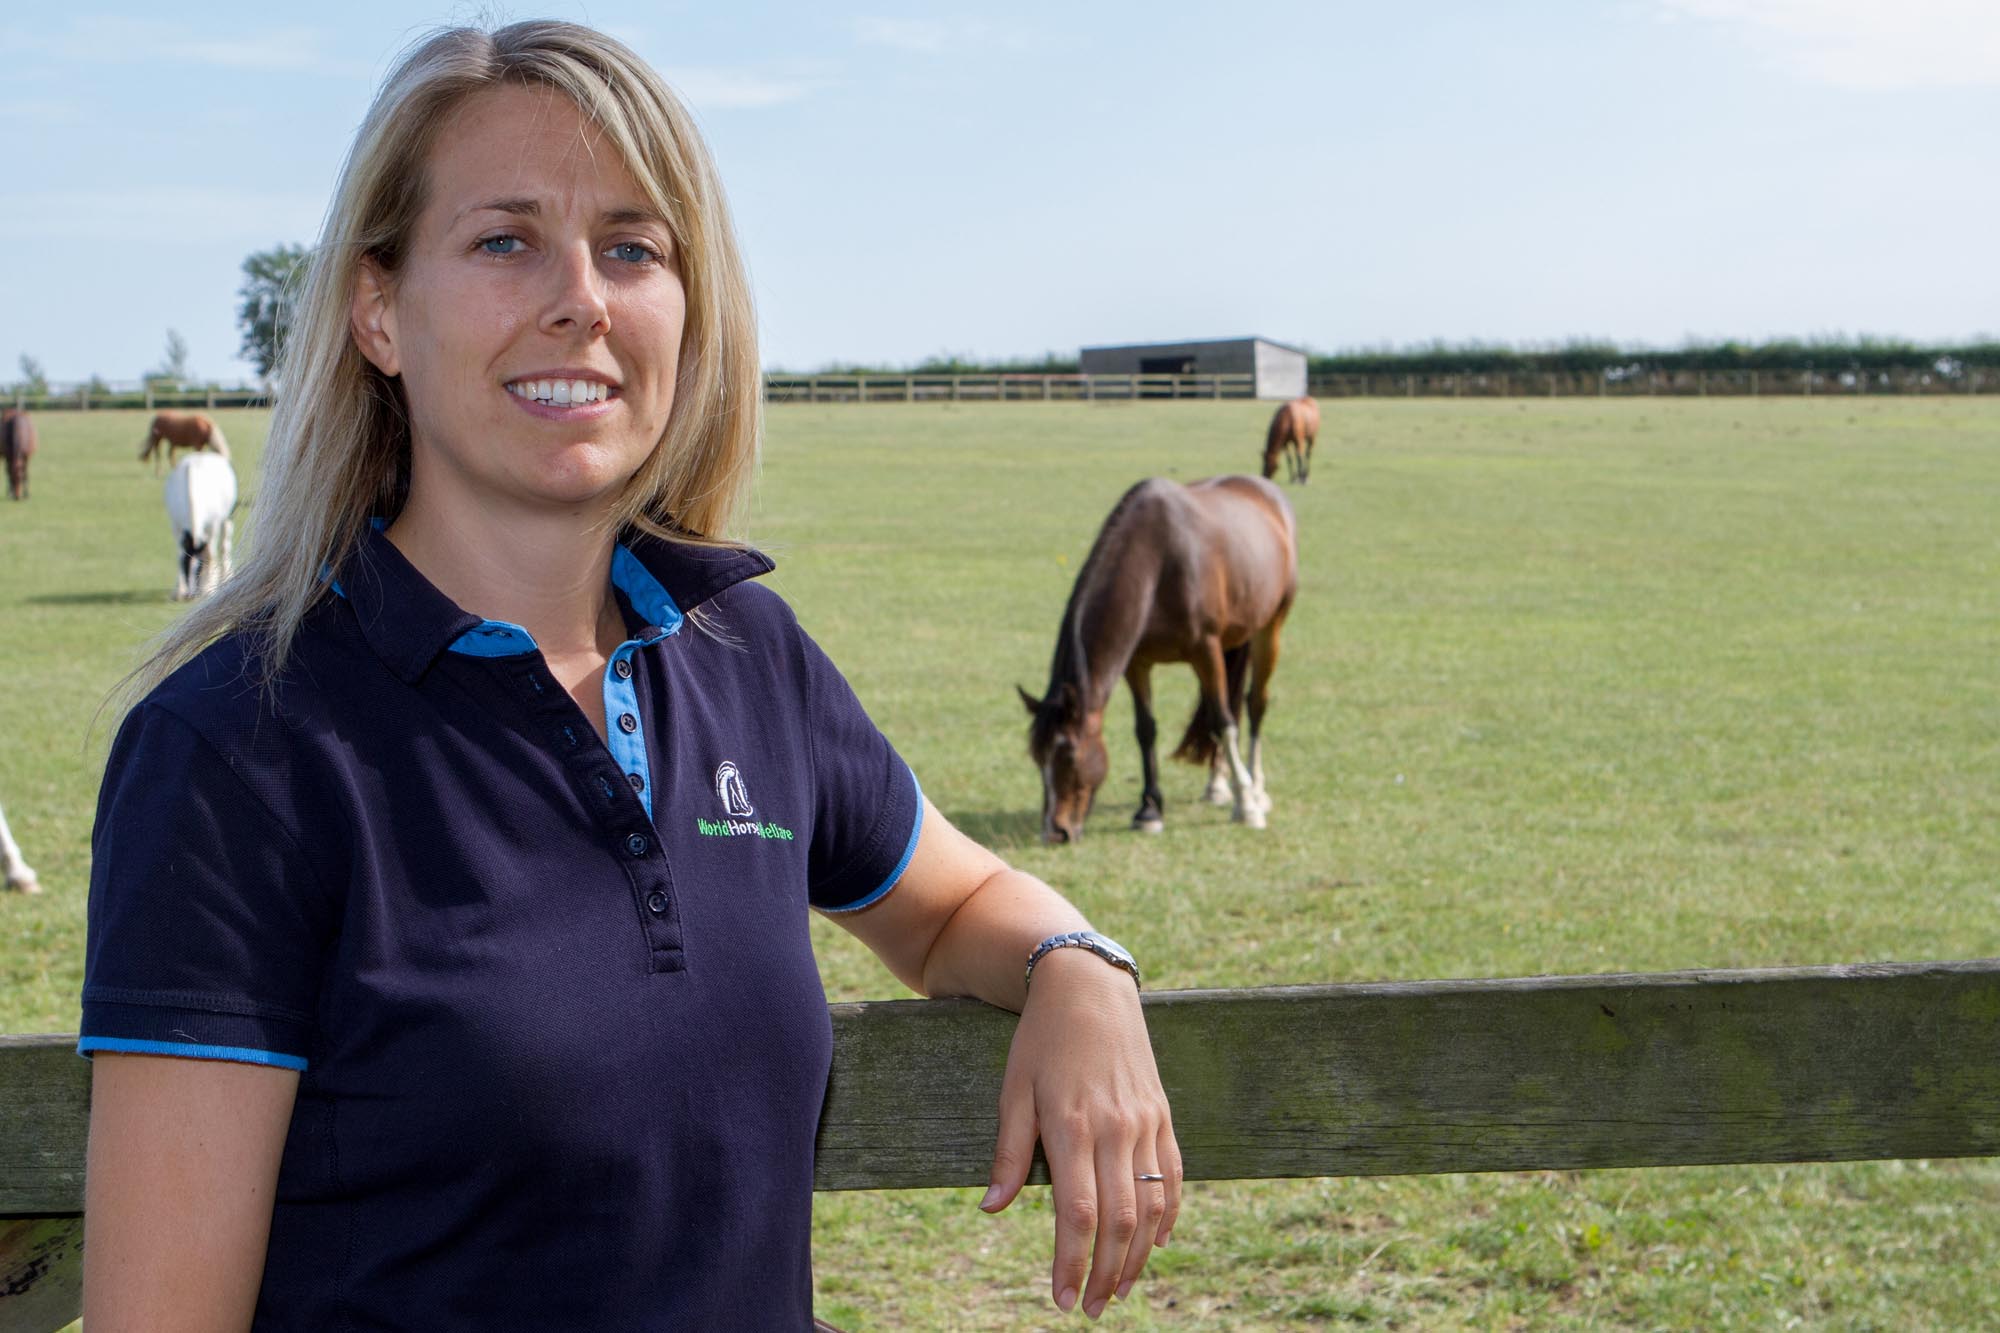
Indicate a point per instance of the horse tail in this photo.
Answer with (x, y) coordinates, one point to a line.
(1198, 743)
(215, 440)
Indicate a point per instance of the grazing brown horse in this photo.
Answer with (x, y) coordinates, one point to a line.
(181, 430)
(1294, 427)
(1203, 574)
(17, 441)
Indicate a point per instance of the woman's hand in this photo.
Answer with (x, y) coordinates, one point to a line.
(1081, 1078)
(1080, 1074)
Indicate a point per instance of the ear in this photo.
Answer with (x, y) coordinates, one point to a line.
(371, 317)
(1032, 704)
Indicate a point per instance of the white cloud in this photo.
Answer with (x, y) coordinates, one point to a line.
(935, 36)
(142, 215)
(107, 39)
(1871, 45)
(719, 88)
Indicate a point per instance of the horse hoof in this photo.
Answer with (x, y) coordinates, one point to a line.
(1248, 818)
(1218, 796)
(28, 885)
(1144, 825)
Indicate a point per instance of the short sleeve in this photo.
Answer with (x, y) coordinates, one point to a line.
(206, 922)
(867, 808)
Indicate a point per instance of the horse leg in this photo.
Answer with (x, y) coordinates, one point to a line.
(20, 876)
(1212, 669)
(1151, 817)
(1236, 666)
(1264, 660)
(223, 565)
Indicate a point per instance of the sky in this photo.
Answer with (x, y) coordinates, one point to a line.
(916, 180)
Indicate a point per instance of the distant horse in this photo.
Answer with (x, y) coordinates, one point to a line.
(1203, 574)
(1294, 427)
(181, 430)
(17, 441)
(201, 498)
(19, 875)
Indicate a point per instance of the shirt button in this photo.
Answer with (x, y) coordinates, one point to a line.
(627, 723)
(623, 668)
(638, 783)
(636, 844)
(656, 903)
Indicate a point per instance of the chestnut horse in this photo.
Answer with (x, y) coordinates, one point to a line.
(1203, 574)
(181, 430)
(17, 442)
(1293, 429)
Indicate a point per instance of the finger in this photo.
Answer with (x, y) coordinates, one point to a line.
(1073, 1178)
(1170, 1167)
(1013, 1150)
(1152, 1202)
(1117, 1222)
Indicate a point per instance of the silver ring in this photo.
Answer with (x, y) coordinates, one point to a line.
(1146, 1175)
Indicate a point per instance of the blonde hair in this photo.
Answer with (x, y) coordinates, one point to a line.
(339, 445)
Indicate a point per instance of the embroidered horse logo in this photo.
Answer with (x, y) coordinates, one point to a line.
(730, 791)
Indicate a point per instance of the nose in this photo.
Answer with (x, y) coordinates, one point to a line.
(577, 303)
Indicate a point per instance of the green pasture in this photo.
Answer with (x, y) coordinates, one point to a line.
(1571, 686)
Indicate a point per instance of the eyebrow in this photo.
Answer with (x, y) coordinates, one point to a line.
(527, 208)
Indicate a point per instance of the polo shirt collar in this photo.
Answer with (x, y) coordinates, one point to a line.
(408, 622)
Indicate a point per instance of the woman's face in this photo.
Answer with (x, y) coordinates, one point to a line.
(536, 320)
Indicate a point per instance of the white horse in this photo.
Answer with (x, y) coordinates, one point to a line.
(201, 497)
(20, 875)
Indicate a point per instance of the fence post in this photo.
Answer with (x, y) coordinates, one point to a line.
(211, 397)
(954, 387)
(860, 388)
(1047, 393)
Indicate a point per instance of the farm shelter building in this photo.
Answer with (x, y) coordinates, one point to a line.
(1280, 370)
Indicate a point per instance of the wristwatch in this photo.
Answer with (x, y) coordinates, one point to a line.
(1110, 950)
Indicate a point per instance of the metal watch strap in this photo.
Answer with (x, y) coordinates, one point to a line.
(1110, 950)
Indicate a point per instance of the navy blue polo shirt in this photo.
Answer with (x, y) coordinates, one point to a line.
(561, 1037)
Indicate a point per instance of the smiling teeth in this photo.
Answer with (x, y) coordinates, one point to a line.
(563, 393)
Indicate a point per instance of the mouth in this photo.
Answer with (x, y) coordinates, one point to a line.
(561, 391)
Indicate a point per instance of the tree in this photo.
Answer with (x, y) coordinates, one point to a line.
(174, 370)
(33, 379)
(270, 286)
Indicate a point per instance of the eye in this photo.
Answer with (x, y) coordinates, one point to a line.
(634, 252)
(502, 244)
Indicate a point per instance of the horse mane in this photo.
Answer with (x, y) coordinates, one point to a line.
(1071, 663)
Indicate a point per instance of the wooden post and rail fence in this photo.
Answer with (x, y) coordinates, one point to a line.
(1813, 1064)
(1019, 388)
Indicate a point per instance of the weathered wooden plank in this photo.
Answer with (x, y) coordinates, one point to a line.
(44, 1107)
(1892, 1060)
(41, 1273)
(1780, 1065)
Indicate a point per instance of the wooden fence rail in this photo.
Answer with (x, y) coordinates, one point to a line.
(1015, 388)
(1673, 1069)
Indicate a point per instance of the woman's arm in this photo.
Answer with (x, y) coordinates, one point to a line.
(182, 1172)
(1080, 1075)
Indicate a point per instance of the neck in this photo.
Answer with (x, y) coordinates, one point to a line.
(549, 573)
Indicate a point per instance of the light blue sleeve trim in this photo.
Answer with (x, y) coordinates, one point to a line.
(240, 1054)
(909, 850)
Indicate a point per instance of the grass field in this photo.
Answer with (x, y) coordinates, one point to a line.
(1570, 687)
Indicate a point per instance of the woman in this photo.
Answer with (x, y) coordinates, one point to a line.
(449, 965)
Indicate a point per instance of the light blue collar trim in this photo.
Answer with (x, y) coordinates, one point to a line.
(630, 576)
